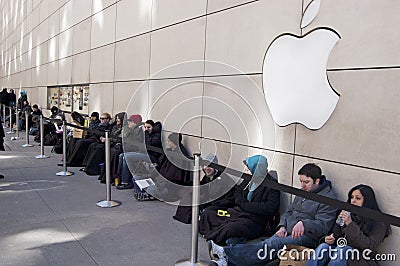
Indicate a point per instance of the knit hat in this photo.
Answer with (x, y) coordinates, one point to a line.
(137, 119)
(54, 109)
(22, 92)
(95, 114)
(212, 158)
(257, 164)
(176, 138)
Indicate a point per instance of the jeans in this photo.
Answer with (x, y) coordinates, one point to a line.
(262, 252)
(125, 165)
(329, 255)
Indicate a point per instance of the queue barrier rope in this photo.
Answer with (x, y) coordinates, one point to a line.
(362, 211)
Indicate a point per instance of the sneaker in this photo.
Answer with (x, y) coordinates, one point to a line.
(125, 186)
(220, 262)
(216, 252)
(144, 196)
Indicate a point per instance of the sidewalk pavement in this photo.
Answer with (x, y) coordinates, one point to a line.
(52, 220)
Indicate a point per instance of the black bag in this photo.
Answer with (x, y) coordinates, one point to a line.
(183, 214)
(58, 147)
(49, 139)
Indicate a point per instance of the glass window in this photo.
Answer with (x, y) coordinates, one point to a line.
(69, 98)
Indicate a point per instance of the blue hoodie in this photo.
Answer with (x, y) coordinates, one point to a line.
(258, 165)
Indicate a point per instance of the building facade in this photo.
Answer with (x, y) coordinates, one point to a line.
(197, 66)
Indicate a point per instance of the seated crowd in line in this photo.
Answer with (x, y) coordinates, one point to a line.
(232, 211)
(305, 223)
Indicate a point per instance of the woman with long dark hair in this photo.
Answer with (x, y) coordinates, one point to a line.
(359, 233)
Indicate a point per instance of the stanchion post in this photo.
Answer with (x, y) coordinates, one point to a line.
(195, 216)
(10, 125)
(16, 125)
(108, 203)
(64, 172)
(41, 156)
(27, 131)
(4, 116)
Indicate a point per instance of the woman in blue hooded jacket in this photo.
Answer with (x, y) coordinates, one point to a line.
(255, 205)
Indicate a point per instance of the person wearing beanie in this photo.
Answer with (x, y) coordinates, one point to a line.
(94, 115)
(56, 113)
(216, 191)
(255, 205)
(131, 159)
(135, 118)
(175, 138)
(132, 134)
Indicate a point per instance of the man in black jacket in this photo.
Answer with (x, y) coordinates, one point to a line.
(5, 102)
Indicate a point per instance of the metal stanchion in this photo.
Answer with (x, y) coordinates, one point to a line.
(27, 131)
(108, 203)
(195, 217)
(41, 156)
(11, 125)
(64, 172)
(16, 126)
(4, 116)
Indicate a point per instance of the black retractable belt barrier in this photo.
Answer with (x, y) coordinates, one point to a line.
(362, 211)
(69, 112)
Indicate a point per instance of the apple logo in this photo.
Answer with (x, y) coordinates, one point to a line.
(296, 86)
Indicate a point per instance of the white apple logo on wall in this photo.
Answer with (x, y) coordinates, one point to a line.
(295, 82)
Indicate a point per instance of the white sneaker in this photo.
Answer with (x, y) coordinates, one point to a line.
(220, 262)
(216, 252)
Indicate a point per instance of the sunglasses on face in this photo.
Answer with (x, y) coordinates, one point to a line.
(102, 118)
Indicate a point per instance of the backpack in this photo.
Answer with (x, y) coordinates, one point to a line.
(49, 139)
(58, 146)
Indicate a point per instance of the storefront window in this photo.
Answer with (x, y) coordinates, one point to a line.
(69, 98)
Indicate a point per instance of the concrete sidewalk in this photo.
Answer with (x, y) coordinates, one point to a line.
(50, 220)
